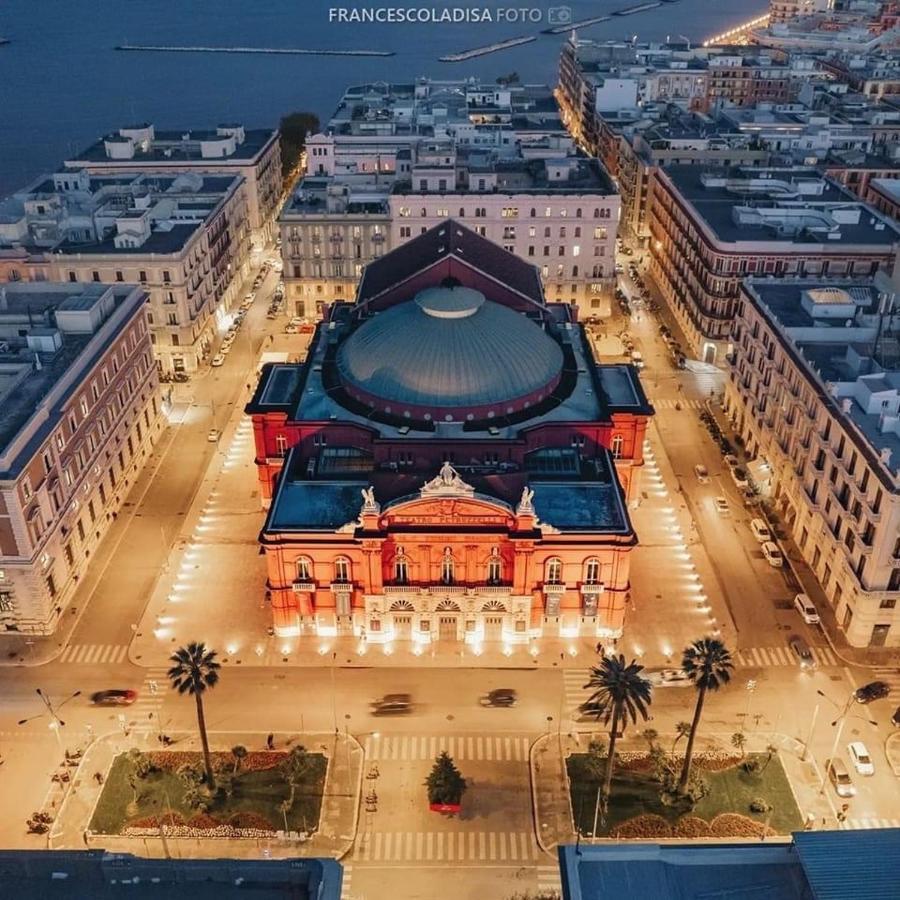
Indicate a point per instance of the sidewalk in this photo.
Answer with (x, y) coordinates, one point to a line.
(337, 825)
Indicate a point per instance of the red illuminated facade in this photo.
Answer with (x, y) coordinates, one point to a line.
(449, 463)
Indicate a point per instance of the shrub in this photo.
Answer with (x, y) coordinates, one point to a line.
(250, 820)
(735, 825)
(140, 763)
(203, 820)
(169, 819)
(646, 826)
(759, 805)
(751, 766)
(692, 827)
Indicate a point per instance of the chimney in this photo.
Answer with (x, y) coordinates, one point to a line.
(846, 403)
(886, 455)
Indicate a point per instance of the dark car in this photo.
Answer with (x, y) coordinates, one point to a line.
(114, 698)
(802, 651)
(874, 690)
(392, 705)
(500, 697)
(895, 718)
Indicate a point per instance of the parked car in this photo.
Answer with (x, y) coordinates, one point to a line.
(213, 435)
(840, 778)
(860, 758)
(116, 697)
(637, 359)
(801, 650)
(760, 530)
(218, 360)
(772, 554)
(291, 329)
(272, 314)
(702, 474)
(874, 690)
(669, 678)
(807, 611)
(731, 461)
(740, 477)
(895, 718)
(722, 507)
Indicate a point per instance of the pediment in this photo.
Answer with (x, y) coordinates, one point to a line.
(465, 511)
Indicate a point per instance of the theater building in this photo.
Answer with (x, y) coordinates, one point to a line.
(449, 463)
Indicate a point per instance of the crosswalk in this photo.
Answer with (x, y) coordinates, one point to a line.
(145, 711)
(446, 846)
(574, 691)
(496, 748)
(891, 676)
(763, 657)
(669, 403)
(858, 824)
(94, 653)
(548, 880)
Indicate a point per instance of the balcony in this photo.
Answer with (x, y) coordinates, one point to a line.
(395, 590)
(341, 587)
(554, 588)
(592, 589)
(304, 587)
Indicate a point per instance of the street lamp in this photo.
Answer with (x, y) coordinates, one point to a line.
(55, 721)
(839, 722)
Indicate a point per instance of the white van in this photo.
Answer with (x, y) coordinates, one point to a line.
(807, 611)
(760, 530)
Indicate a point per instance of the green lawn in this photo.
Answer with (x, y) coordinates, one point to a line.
(731, 790)
(256, 793)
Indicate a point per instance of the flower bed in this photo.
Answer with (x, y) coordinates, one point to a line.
(252, 809)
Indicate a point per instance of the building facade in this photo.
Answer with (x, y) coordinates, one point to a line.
(184, 238)
(710, 230)
(814, 391)
(251, 154)
(449, 463)
(80, 410)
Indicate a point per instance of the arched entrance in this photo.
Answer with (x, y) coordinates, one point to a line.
(448, 613)
(402, 619)
(493, 613)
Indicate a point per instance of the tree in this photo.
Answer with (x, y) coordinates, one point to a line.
(295, 768)
(445, 783)
(140, 764)
(620, 693)
(739, 741)
(708, 664)
(239, 752)
(651, 736)
(294, 128)
(771, 750)
(193, 672)
(682, 729)
(196, 797)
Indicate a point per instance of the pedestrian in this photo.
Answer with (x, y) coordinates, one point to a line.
(600, 648)
(270, 742)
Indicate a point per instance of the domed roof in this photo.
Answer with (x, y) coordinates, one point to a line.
(449, 354)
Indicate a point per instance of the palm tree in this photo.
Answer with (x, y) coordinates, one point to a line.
(239, 752)
(708, 664)
(682, 729)
(620, 693)
(194, 670)
(739, 742)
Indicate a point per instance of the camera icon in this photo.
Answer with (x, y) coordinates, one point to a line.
(559, 15)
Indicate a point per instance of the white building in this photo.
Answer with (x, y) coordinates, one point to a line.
(254, 154)
(80, 411)
(814, 392)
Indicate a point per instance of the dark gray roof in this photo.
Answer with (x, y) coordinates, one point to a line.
(585, 506)
(313, 505)
(851, 865)
(162, 242)
(450, 348)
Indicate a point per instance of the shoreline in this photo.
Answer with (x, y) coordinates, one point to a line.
(270, 51)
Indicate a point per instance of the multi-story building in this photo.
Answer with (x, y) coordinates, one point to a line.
(710, 230)
(254, 154)
(398, 159)
(185, 238)
(80, 411)
(784, 10)
(744, 80)
(449, 463)
(884, 195)
(814, 391)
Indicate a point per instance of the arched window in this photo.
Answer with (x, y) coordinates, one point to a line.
(592, 571)
(596, 213)
(533, 212)
(342, 569)
(578, 213)
(494, 568)
(553, 571)
(401, 567)
(447, 573)
(616, 446)
(462, 212)
(304, 569)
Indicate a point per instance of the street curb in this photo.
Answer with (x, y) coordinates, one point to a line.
(534, 801)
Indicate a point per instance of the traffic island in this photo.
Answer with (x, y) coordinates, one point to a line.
(168, 809)
(734, 796)
(256, 794)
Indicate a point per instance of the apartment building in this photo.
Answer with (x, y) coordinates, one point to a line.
(397, 159)
(784, 10)
(80, 410)
(184, 238)
(253, 154)
(712, 229)
(559, 214)
(814, 390)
